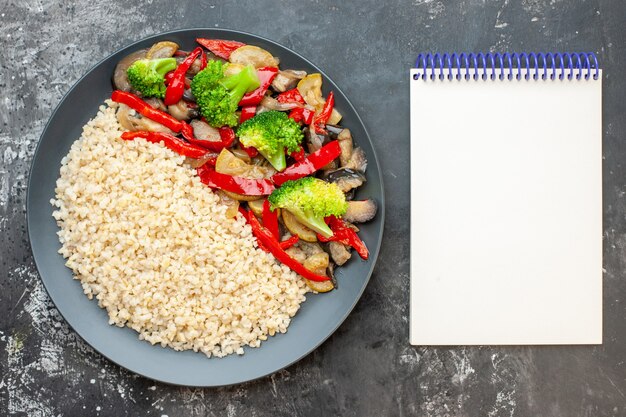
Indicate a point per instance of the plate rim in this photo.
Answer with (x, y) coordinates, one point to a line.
(374, 157)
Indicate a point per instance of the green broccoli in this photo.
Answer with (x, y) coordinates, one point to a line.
(310, 200)
(148, 75)
(218, 96)
(271, 132)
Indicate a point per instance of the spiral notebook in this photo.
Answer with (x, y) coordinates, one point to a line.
(506, 199)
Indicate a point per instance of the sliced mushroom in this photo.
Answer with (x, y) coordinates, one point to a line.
(347, 179)
(163, 49)
(253, 55)
(358, 160)
(286, 80)
(271, 103)
(339, 252)
(232, 69)
(360, 211)
(133, 121)
(182, 111)
(157, 103)
(120, 78)
(318, 264)
(346, 145)
(204, 131)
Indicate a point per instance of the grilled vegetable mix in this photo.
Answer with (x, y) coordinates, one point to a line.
(264, 138)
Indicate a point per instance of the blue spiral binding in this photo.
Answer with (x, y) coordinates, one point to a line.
(537, 65)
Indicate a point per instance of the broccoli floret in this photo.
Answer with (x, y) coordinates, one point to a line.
(271, 132)
(218, 96)
(310, 200)
(148, 75)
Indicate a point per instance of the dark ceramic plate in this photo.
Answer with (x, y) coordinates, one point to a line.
(319, 316)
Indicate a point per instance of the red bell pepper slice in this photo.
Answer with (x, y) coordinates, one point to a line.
(318, 159)
(291, 96)
(171, 142)
(324, 115)
(344, 234)
(220, 47)
(303, 115)
(286, 244)
(203, 60)
(227, 138)
(265, 238)
(298, 155)
(270, 219)
(176, 87)
(239, 185)
(247, 112)
(252, 152)
(147, 110)
(266, 75)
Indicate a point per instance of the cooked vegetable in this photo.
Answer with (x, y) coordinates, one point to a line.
(286, 244)
(257, 206)
(286, 80)
(228, 163)
(247, 112)
(270, 219)
(296, 228)
(339, 252)
(132, 120)
(163, 49)
(291, 96)
(271, 133)
(218, 96)
(146, 110)
(360, 211)
(343, 233)
(310, 200)
(253, 55)
(347, 146)
(172, 142)
(176, 87)
(148, 75)
(302, 115)
(238, 185)
(320, 119)
(182, 111)
(120, 76)
(318, 263)
(310, 87)
(358, 161)
(346, 179)
(310, 164)
(266, 75)
(267, 240)
(221, 48)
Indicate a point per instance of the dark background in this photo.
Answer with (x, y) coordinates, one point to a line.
(367, 368)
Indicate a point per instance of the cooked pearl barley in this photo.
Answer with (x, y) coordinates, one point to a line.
(154, 246)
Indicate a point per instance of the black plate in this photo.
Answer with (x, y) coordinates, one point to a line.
(319, 316)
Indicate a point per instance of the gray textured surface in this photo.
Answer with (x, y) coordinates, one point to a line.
(367, 368)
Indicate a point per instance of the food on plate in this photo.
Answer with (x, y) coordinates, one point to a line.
(209, 195)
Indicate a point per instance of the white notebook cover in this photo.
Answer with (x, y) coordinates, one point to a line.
(506, 211)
